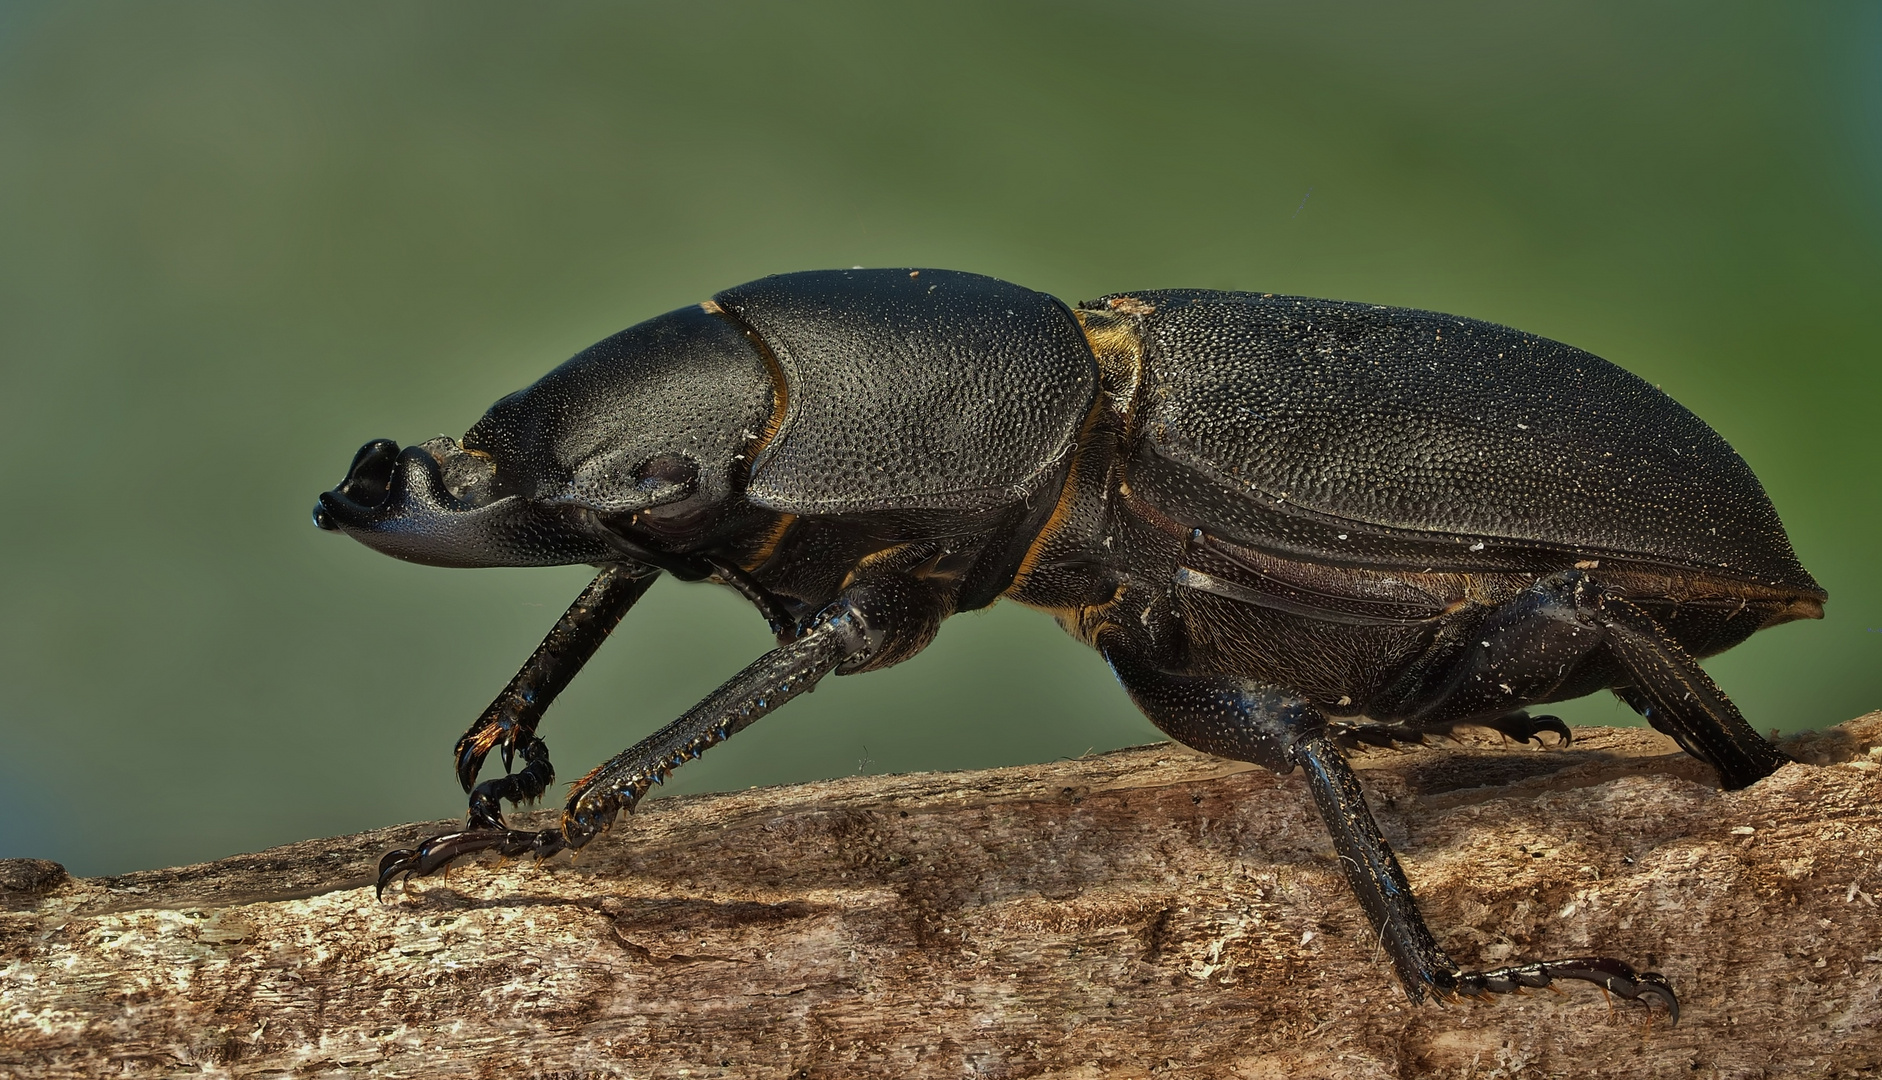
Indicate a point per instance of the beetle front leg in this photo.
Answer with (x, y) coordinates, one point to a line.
(847, 635)
(509, 724)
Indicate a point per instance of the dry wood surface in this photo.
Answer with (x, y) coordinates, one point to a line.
(1146, 912)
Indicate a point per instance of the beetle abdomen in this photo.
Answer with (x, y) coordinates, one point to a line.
(913, 389)
(1424, 423)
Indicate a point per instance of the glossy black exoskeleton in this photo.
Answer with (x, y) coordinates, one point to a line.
(1289, 525)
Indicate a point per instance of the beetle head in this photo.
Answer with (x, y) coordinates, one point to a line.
(643, 434)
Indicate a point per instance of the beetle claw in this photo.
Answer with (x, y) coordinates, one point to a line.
(1525, 728)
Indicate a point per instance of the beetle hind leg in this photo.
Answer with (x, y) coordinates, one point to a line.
(1375, 875)
(1249, 721)
(1538, 646)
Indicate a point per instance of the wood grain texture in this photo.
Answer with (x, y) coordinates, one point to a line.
(1145, 912)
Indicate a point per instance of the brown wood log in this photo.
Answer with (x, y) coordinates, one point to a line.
(1149, 911)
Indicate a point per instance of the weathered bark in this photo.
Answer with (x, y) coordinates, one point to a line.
(1146, 911)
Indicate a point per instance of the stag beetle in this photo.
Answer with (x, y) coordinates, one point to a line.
(1290, 526)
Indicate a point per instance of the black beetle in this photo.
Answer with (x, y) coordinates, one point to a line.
(1289, 525)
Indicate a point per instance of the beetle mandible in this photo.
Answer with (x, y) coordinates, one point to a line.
(1289, 525)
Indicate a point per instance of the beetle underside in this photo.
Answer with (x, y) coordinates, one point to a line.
(1242, 622)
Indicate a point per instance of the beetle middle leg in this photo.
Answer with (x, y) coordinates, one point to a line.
(1248, 721)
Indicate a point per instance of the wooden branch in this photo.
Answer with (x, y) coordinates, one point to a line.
(1146, 911)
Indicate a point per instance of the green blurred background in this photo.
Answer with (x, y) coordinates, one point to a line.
(237, 241)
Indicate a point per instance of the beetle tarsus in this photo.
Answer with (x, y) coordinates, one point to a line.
(486, 801)
(1611, 975)
(441, 851)
(1518, 725)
